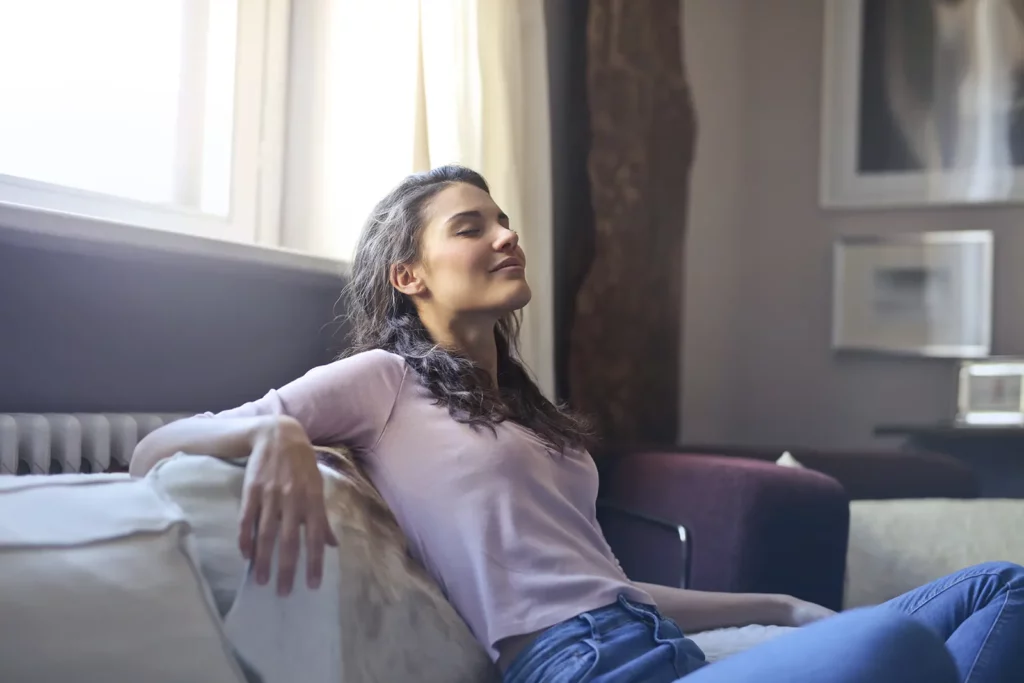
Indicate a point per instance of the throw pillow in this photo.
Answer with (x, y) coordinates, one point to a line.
(392, 620)
(208, 490)
(98, 582)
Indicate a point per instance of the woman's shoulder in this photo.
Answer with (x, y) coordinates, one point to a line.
(375, 356)
(373, 375)
(373, 361)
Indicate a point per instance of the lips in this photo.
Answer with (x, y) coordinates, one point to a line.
(509, 263)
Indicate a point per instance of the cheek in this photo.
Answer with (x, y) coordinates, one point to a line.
(460, 261)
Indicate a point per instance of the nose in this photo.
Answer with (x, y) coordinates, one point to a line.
(508, 240)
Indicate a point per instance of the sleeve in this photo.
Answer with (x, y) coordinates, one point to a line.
(346, 402)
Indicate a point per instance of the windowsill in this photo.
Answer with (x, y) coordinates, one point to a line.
(39, 227)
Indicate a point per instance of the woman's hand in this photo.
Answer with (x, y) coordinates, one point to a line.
(282, 498)
(697, 611)
(800, 612)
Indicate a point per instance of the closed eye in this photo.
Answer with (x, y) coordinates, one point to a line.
(469, 223)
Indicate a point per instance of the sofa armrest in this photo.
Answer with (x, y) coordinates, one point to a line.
(756, 527)
(869, 474)
(635, 535)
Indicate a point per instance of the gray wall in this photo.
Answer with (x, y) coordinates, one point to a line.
(93, 327)
(712, 45)
(756, 358)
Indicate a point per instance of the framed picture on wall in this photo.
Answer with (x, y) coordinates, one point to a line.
(925, 294)
(922, 103)
(991, 392)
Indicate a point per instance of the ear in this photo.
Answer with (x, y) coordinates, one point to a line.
(405, 278)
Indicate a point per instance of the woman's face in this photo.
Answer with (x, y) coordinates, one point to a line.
(470, 260)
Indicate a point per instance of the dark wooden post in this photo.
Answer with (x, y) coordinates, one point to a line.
(624, 342)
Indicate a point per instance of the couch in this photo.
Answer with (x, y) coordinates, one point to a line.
(912, 517)
(868, 474)
(752, 526)
(705, 521)
(151, 335)
(105, 550)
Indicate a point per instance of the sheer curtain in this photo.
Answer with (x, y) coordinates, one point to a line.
(385, 88)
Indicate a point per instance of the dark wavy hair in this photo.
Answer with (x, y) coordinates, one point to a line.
(381, 317)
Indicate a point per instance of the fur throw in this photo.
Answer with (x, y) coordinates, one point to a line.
(378, 617)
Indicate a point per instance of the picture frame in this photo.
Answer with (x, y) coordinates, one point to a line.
(920, 106)
(990, 393)
(923, 294)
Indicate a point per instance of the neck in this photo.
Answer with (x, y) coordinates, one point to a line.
(472, 338)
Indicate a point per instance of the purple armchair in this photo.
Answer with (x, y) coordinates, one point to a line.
(725, 524)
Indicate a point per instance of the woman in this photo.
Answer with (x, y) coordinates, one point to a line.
(494, 489)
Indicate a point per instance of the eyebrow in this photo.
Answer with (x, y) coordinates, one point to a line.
(473, 213)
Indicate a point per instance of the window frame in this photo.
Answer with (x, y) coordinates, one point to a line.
(258, 135)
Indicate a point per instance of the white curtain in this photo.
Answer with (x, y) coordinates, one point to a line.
(383, 88)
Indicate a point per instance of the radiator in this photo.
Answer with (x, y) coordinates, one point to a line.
(53, 443)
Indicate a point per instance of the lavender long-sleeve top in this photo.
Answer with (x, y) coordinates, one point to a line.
(506, 527)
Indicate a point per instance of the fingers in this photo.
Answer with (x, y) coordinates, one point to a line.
(288, 548)
(247, 527)
(266, 534)
(317, 533)
(279, 510)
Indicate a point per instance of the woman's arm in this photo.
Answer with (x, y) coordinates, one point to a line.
(282, 496)
(697, 611)
(229, 437)
(347, 401)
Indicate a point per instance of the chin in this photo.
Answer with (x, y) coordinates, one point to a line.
(517, 299)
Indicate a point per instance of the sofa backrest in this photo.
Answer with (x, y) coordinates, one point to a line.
(93, 327)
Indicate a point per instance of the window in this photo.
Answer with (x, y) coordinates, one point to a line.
(353, 126)
(152, 113)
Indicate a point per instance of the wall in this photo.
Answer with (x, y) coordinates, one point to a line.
(91, 327)
(713, 48)
(757, 363)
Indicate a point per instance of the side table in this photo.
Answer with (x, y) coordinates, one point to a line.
(996, 454)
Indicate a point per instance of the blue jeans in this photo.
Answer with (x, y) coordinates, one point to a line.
(966, 627)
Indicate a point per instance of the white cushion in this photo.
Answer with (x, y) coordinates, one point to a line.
(898, 545)
(209, 492)
(378, 615)
(98, 583)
